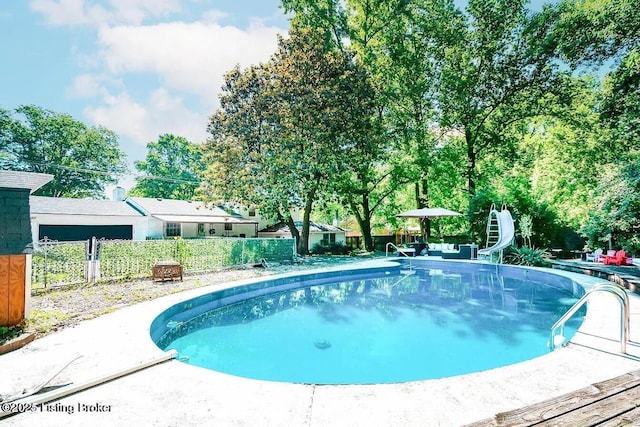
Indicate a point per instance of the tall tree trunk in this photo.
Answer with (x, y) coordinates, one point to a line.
(364, 221)
(294, 231)
(303, 243)
(471, 163)
(422, 201)
(425, 226)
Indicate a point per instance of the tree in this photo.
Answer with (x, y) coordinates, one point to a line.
(616, 217)
(498, 71)
(373, 180)
(592, 32)
(327, 14)
(412, 38)
(395, 42)
(287, 128)
(172, 169)
(83, 160)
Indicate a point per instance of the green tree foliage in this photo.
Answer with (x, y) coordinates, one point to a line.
(469, 107)
(172, 169)
(383, 160)
(563, 155)
(327, 14)
(82, 159)
(412, 37)
(615, 221)
(592, 32)
(286, 129)
(606, 34)
(397, 42)
(498, 72)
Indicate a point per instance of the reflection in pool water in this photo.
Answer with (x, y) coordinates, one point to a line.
(431, 323)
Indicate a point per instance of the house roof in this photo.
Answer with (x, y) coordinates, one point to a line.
(168, 210)
(203, 219)
(66, 206)
(25, 180)
(314, 227)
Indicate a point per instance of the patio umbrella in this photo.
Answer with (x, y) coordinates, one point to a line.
(426, 214)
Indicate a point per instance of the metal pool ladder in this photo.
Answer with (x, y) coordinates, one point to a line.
(622, 297)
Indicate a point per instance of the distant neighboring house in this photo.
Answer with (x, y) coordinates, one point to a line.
(67, 219)
(172, 218)
(254, 214)
(318, 233)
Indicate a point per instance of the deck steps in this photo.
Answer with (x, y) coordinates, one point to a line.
(628, 276)
(613, 402)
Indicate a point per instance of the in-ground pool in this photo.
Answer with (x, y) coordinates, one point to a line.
(375, 324)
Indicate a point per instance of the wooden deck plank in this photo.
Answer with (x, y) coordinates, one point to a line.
(622, 390)
(631, 418)
(606, 409)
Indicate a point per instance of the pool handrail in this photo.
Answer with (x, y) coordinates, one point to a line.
(611, 288)
(386, 248)
(398, 249)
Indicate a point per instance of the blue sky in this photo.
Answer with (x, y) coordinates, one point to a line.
(141, 68)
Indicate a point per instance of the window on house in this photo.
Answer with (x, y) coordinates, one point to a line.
(200, 229)
(252, 212)
(228, 226)
(172, 229)
(328, 238)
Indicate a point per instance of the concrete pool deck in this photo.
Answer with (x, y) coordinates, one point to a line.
(173, 393)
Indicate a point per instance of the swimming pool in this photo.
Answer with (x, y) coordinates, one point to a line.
(379, 323)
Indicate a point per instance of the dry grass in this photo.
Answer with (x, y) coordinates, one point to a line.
(63, 306)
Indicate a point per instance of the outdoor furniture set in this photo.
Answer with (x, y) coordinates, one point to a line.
(444, 250)
(612, 257)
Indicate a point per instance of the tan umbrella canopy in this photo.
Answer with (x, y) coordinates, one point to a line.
(426, 214)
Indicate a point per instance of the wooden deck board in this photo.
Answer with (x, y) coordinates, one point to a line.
(608, 408)
(614, 399)
(631, 418)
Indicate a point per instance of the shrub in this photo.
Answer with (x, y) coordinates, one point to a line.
(528, 256)
(337, 248)
(7, 333)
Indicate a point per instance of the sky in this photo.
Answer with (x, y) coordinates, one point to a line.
(141, 68)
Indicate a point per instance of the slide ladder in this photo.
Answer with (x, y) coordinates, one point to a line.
(493, 227)
(500, 233)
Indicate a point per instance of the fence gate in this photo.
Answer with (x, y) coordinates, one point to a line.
(57, 262)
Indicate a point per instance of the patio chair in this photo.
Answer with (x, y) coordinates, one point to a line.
(620, 258)
(594, 256)
(602, 257)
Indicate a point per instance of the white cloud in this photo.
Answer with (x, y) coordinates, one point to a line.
(135, 11)
(184, 63)
(88, 86)
(143, 122)
(69, 12)
(191, 57)
(91, 12)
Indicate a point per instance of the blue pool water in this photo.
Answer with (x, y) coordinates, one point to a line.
(441, 319)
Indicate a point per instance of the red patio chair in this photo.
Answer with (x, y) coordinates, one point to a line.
(603, 257)
(620, 258)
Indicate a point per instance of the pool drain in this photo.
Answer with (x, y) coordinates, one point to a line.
(322, 345)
